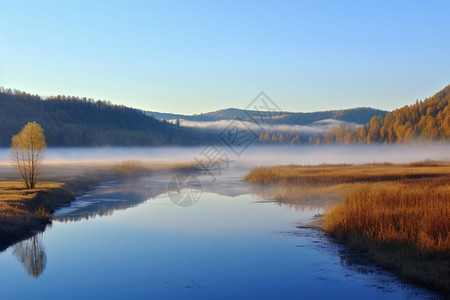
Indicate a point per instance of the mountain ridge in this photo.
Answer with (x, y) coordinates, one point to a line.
(358, 115)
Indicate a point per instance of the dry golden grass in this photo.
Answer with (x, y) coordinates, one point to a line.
(405, 226)
(336, 174)
(399, 214)
(416, 212)
(129, 167)
(136, 167)
(15, 200)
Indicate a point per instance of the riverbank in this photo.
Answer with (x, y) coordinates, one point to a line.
(398, 214)
(25, 211)
(22, 209)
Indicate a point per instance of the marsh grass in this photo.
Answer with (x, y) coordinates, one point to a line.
(21, 207)
(337, 174)
(399, 214)
(416, 212)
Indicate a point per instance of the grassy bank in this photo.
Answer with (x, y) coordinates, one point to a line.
(22, 209)
(398, 214)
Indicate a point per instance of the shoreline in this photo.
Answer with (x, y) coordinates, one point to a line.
(76, 178)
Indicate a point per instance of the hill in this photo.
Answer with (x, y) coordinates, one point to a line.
(73, 121)
(427, 120)
(359, 115)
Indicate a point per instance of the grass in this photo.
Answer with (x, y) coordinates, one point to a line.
(326, 175)
(21, 207)
(404, 226)
(398, 214)
(416, 212)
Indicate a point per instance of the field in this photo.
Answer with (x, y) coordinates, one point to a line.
(398, 214)
(20, 207)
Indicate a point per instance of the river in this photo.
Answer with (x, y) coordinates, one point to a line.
(128, 239)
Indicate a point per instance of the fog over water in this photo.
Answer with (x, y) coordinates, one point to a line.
(256, 155)
(314, 128)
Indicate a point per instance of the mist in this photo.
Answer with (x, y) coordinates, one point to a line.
(256, 155)
(314, 128)
(345, 154)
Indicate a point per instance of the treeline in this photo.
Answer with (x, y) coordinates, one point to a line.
(289, 137)
(74, 121)
(427, 120)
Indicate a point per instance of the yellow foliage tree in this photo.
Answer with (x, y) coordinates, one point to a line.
(26, 151)
(427, 120)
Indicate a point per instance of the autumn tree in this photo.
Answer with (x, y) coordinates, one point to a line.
(362, 135)
(296, 139)
(26, 151)
(427, 120)
(261, 137)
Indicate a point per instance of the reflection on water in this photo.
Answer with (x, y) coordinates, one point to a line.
(111, 196)
(115, 195)
(223, 247)
(31, 253)
(307, 199)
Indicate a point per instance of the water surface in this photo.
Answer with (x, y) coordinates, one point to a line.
(122, 242)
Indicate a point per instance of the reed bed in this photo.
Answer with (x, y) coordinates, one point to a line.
(337, 174)
(413, 212)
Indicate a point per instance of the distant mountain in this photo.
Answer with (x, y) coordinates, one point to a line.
(223, 114)
(360, 116)
(73, 121)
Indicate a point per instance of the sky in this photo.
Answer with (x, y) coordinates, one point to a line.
(198, 56)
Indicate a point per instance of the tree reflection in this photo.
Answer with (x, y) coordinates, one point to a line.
(31, 253)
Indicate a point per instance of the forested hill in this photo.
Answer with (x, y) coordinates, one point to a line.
(427, 120)
(73, 121)
(360, 115)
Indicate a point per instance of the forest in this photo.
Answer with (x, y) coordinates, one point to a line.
(74, 121)
(427, 120)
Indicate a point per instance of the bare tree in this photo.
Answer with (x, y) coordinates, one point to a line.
(26, 151)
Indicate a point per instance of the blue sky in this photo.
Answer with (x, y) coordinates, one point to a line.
(198, 56)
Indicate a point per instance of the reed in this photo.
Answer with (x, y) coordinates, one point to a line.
(416, 212)
(337, 174)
